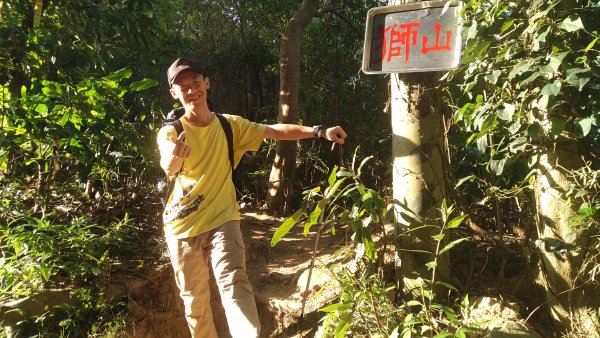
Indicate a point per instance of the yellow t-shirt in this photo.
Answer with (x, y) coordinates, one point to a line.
(204, 196)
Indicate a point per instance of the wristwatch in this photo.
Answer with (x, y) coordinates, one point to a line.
(318, 129)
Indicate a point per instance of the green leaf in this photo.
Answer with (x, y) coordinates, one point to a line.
(556, 61)
(142, 85)
(367, 241)
(344, 173)
(452, 244)
(314, 215)
(364, 161)
(332, 176)
(44, 271)
(455, 222)
(367, 199)
(558, 125)
(329, 192)
(533, 131)
(413, 303)
(119, 75)
(517, 145)
(541, 103)
(519, 69)
(472, 32)
(42, 108)
(578, 77)
(448, 286)
(572, 23)
(532, 160)
(431, 265)
(438, 237)
(338, 307)
(515, 128)
(551, 88)
(506, 112)
(543, 32)
(587, 210)
(583, 126)
(482, 144)
(497, 166)
(285, 227)
(443, 334)
(469, 178)
(341, 328)
(493, 77)
(506, 26)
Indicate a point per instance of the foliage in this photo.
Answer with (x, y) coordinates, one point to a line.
(367, 308)
(367, 305)
(92, 315)
(80, 102)
(36, 251)
(528, 82)
(526, 101)
(74, 125)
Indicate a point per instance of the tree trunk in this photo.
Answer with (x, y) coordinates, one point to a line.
(1, 16)
(418, 174)
(572, 300)
(282, 173)
(419, 185)
(37, 13)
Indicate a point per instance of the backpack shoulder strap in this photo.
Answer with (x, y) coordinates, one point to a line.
(178, 126)
(229, 135)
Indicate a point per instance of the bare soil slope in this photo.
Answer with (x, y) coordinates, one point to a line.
(155, 309)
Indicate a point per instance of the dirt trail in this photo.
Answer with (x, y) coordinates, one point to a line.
(276, 273)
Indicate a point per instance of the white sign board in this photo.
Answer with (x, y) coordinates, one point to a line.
(415, 37)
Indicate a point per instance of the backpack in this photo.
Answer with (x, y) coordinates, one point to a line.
(173, 120)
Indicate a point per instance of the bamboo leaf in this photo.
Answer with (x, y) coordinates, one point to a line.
(285, 227)
(453, 244)
(364, 161)
(332, 176)
(142, 85)
(448, 286)
(455, 222)
(469, 178)
(329, 192)
(314, 215)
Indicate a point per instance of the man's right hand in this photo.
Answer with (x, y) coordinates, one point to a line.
(180, 149)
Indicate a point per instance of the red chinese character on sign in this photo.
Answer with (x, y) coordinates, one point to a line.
(436, 46)
(392, 46)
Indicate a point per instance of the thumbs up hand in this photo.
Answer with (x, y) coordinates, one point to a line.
(180, 149)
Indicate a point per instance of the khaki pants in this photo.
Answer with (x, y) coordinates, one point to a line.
(223, 247)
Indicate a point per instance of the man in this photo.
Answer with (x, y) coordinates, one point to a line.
(202, 215)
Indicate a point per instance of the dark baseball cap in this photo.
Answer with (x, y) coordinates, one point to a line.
(179, 66)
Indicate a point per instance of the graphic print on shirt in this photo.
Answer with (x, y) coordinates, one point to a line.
(182, 209)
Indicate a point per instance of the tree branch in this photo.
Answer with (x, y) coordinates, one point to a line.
(336, 12)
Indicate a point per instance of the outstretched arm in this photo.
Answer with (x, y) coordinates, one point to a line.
(291, 132)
